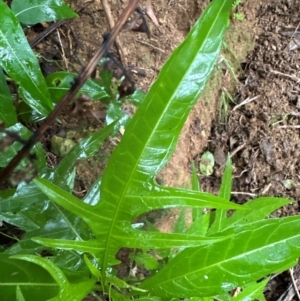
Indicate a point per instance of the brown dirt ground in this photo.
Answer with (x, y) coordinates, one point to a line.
(262, 135)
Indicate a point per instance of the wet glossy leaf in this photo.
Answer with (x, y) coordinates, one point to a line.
(60, 82)
(32, 281)
(26, 114)
(7, 110)
(11, 151)
(20, 63)
(93, 195)
(127, 188)
(115, 113)
(151, 136)
(67, 290)
(255, 250)
(31, 211)
(136, 98)
(36, 11)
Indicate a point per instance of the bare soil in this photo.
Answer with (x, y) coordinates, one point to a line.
(262, 135)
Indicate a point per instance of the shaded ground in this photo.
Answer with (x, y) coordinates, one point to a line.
(262, 135)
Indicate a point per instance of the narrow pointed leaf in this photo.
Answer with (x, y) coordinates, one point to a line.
(20, 63)
(195, 180)
(254, 291)
(165, 240)
(225, 192)
(255, 250)
(91, 246)
(258, 209)
(19, 294)
(72, 204)
(140, 202)
(93, 195)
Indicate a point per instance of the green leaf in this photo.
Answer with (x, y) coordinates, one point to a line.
(97, 220)
(259, 209)
(84, 149)
(136, 98)
(207, 163)
(115, 113)
(68, 291)
(20, 63)
(24, 133)
(200, 220)
(31, 211)
(253, 291)
(24, 278)
(19, 295)
(151, 136)
(60, 82)
(91, 246)
(225, 192)
(255, 250)
(127, 188)
(7, 110)
(35, 11)
(195, 180)
(145, 259)
(93, 195)
(180, 224)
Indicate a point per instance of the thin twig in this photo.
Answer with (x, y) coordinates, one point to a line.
(244, 193)
(288, 126)
(150, 45)
(237, 150)
(62, 50)
(294, 282)
(247, 100)
(111, 23)
(293, 77)
(46, 32)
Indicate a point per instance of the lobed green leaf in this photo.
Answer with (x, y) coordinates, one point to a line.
(151, 136)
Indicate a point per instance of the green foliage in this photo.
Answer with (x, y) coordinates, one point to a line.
(235, 5)
(31, 12)
(207, 163)
(205, 261)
